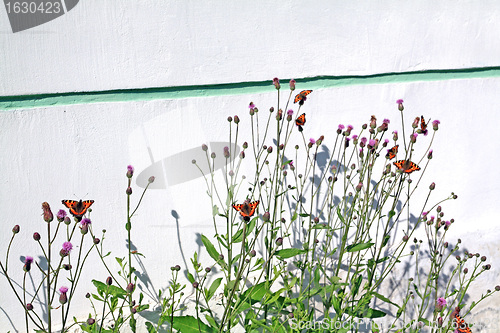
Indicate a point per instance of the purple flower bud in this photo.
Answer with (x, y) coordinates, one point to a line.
(213, 155)
(29, 306)
(400, 104)
(226, 152)
(47, 213)
(61, 214)
(373, 122)
(36, 236)
(128, 190)
(440, 322)
(67, 220)
(230, 119)
(90, 321)
(413, 137)
(196, 284)
(266, 216)
(152, 178)
(236, 119)
(253, 253)
(63, 299)
(279, 241)
(67, 267)
(204, 147)
(432, 186)
(242, 154)
(395, 135)
(276, 83)
(292, 84)
(96, 240)
(349, 129)
(359, 187)
(130, 287)
(109, 280)
(27, 263)
(178, 268)
(435, 124)
(269, 149)
(405, 238)
(16, 229)
(130, 171)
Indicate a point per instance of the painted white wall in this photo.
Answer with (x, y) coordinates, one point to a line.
(55, 153)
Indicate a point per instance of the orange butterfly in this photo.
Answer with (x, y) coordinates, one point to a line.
(78, 208)
(247, 209)
(460, 324)
(301, 97)
(406, 166)
(300, 121)
(391, 153)
(423, 125)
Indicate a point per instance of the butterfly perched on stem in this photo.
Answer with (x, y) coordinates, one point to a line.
(460, 325)
(300, 121)
(78, 208)
(301, 96)
(406, 166)
(423, 125)
(247, 209)
(391, 153)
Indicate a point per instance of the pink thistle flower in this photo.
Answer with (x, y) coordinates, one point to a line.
(312, 141)
(372, 143)
(435, 124)
(386, 142)
(289, 112)
(85, 221)
(251, 105)
(413, 137)
(440, 303)
(395, 135)
(355, 139)
(349, 129)
(63, 298)
(363, 141)
(61, 214)
(130, 171)
(27, 263)
(386, 121)
(341, 127)
(67, 246)
(276, 83)
(400, 104)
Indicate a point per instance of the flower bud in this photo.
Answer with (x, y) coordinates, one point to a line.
(373, 122)
(47, 213)
(36, 236)
(236, 119)
(67, 220)
(128, 191)
(63, 298)
(130, 287)
(400, 104)
(204, 147)
(276, 83)
(90, 321)
(359, 187)
(96, 240)
(109, 281)
(435, 124)
(130, 171)
(16, 229)
(29, 306)
(195, 285)
(152, 178)
(266, 216)
(292, 84)
(432, 186)
(253, 253)
(415, 123)
(230, 119)
(279, 241)
(429, 155)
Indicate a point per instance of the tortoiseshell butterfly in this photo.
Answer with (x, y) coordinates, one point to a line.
(391, 153)
(78, 208)
(423, 125)
(301, 97)
(406, 166)
(300, 121)
(247, 209)
(460, 325)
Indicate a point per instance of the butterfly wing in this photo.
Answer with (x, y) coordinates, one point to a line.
(406, 166)
(423, 125)
(461, 325)
(301, 120)
(247, 209)
(391, 153)
(78, 208)
(252, 207)
(300, 96)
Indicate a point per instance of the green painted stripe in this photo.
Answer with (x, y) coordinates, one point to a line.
(241, 88)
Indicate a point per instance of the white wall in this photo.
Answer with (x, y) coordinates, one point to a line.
(55, 153)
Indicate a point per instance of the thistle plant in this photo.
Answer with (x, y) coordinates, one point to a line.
(60, 267)
(312, 234)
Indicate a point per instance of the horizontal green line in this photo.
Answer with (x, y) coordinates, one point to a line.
(240, 88)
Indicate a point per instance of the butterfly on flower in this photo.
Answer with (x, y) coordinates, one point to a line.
(301, 96)
(406, 166)
(247, 209)
(78, 208)
(460, 325)
(423, 125)
(391, 153)
(300, 121)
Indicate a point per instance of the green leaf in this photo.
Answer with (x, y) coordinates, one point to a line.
(150, 327)
(238, 237)
(294, 217)
(275, 297)
(358, 247)
(213, 288)
(103, 288)
(386, 240)
(189, 324)
(288, 253)
(339, 214)
(304, 215)
(321, 226)
(210, 248)
(385, 299)
(215, 210)
(425, 321)
(369, 313)
(190, 277)
(357, 284)
(416, 290)
(133, 324)
(382, 260)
